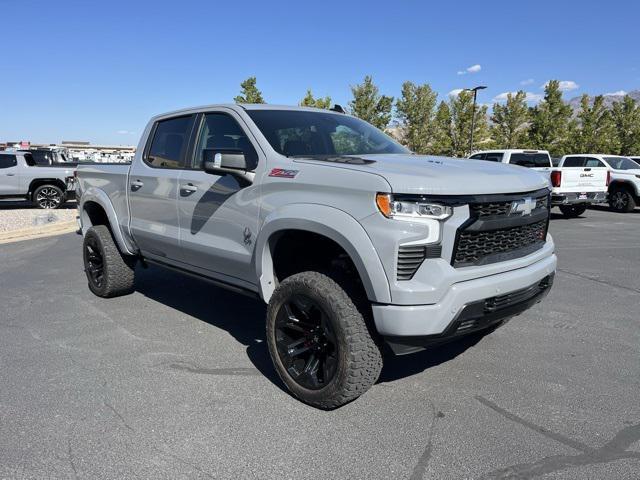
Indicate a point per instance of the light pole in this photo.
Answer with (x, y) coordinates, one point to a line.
(473, 113)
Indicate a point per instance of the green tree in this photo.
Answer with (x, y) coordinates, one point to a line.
(416, 111)
(462, 112)
(550, 121)
(442, 142)
(626, 118)
(249, 92)
(597, 130)
(510, 126)
(309, 101)
(369, 105)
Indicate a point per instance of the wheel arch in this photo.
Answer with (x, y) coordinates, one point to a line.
(39, 182)
(95, 208)
(625, 184)
(326, 222)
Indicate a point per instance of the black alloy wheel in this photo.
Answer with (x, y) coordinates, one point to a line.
(94, 262)
(306, 343)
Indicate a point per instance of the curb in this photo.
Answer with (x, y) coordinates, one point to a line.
(58, 228)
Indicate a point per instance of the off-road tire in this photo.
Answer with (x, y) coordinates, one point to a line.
(118, 269)
(621, 200)
(359, 357)
(52, 197)
(572, 211)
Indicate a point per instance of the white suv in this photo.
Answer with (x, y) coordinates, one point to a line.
(624, 190)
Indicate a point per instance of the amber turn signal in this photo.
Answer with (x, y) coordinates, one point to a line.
(383, 201)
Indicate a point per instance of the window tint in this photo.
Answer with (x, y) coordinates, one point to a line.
(493, 157)
(593, 162)
(622, 163)
(530, 160)
(8, 161)
(308, 134)
(42, 157)
(573, 162)
(477, 156)
(221, 132)
(169, 144)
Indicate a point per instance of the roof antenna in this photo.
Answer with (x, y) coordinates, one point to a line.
(337, 108)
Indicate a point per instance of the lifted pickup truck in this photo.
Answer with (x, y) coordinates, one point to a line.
(44, 186)
(576, 183)
(351, 240)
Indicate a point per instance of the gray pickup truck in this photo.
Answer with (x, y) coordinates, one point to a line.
(45, 186)
(353, 241)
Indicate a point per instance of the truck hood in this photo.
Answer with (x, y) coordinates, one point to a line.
(430, 175)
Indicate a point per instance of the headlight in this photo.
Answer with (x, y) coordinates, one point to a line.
(400, 209)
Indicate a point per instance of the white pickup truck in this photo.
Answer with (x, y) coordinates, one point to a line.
(577, 181)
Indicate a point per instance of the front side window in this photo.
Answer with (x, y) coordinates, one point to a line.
(8, 161)
(622, 163)
(317, 134)
(222, 133)
(477, 156)
(530, 160)
(169, 144)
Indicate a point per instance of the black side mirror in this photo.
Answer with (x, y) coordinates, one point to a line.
(215, 160)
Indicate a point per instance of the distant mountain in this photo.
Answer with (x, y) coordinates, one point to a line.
(609, 99)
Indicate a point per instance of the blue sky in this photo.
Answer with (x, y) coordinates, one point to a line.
(98, 70)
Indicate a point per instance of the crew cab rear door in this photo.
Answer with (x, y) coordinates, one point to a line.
(583, 174)
(9, 175)
(219, 211)
(153, 188)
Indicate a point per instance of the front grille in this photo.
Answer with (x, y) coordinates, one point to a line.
(410, 257)
(492, 209)
(479, 248)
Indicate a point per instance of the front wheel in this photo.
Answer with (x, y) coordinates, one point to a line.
(48, 197)
(621, 200)
(572, 211)
(319, 341)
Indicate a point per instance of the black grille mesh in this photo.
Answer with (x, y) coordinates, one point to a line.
(473, 247)
(491, 209)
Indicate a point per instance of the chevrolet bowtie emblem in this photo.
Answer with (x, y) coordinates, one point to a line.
(524, 206)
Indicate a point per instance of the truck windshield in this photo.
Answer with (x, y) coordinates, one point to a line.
(622, 163)
(297, 133)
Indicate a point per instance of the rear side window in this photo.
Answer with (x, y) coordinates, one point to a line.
(8, 161)
(573, 162)
(593, 162)
(170, 141)
(477, 156)
(493, 157)
(530, 160)
(42, 157)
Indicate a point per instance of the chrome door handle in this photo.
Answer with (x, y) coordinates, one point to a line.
(188, 188)
(136, 185)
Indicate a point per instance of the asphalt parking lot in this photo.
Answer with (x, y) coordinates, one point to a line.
(174, 381)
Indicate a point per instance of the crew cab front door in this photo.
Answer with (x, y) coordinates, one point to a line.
(218, 213)
(153, 188)
(9, 175)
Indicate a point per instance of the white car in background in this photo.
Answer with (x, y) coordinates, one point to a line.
(575, 183)
(624, 190)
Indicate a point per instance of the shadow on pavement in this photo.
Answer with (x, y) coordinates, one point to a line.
(243, 317)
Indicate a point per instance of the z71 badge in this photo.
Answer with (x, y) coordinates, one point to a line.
(282, 173)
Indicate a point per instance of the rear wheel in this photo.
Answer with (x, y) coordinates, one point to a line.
(110, 274)
(319, 341)
(621, 200)
(572, 211)
(48, 197)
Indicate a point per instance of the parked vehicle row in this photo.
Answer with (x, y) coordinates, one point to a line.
(45, 186)
(352, 240)
(579, 180)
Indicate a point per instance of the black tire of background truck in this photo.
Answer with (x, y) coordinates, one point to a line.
(48, 197)
(359, 360)
(572, 211)
(621, 200)
(117, 270)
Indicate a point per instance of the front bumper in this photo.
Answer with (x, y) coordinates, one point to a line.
(438, 319)
(577, 198)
